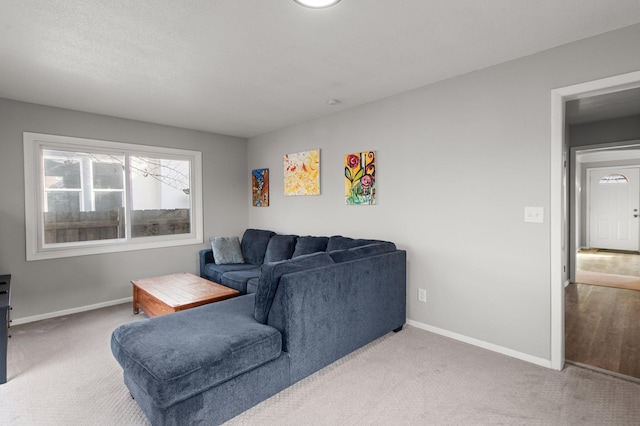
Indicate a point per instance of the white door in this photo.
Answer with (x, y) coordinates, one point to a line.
(614, 200)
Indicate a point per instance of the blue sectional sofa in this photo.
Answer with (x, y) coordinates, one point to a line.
(208, 364)
(260, 246)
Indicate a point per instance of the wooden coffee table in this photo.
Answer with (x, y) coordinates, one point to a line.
(176, 292)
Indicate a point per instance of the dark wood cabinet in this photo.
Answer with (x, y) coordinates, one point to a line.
(5, 313)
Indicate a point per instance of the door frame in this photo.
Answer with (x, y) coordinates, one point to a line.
(558, 213)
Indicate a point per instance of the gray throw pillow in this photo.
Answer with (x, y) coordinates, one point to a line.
(226, 250)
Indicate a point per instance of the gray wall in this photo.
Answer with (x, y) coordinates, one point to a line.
(620, 129)
(457, 163)
(46, 286)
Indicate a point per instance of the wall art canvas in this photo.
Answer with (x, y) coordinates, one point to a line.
(360, 178)
(260, 187)
(302, 173)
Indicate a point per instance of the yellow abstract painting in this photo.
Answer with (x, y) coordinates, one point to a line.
(302, 173)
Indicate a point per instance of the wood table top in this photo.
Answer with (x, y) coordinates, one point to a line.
(183, 289)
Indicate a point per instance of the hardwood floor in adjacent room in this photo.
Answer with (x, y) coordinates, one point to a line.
(602, 328)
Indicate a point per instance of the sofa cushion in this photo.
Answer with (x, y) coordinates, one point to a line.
(309, 244)
(226, 250)
(280, 247)
(252, 285)
(238, 279)
(362, 251)
(254, 245)
(171, 365)
(214, 272)
(338, 242)
(270, 278)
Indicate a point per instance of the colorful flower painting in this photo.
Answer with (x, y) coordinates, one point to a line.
(360, 178)
(260, 187)
(302, 173)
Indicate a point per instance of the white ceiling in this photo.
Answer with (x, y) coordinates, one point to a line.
(247, 67)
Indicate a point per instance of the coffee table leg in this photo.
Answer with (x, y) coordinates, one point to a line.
(135, 300)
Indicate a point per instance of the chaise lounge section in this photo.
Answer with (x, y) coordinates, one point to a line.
(208, 364)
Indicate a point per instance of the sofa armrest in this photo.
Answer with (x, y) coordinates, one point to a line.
(206, 257)
(327, 312)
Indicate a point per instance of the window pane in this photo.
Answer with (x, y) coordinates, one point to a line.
(159, 184)
(107, 174)
(614, 178)
(61, 170)
(70, 178)
(106, 201)
(63, 201)
(160, 196)
(68, 227)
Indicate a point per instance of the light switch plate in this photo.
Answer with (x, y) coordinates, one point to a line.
(534, 214)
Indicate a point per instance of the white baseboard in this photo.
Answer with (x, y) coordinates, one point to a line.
(77, 310)
(482, 344)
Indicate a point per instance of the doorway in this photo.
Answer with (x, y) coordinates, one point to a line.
(601, 302)
(603, 195)
(562, 248)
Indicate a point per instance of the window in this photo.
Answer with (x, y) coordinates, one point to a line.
(86, 196)
(614, 178)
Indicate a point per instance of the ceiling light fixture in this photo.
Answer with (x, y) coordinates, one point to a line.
(316, 4)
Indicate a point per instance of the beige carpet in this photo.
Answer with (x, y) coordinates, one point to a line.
(608, 280)
(61, 372)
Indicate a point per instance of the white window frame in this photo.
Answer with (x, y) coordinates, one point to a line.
(34, 190)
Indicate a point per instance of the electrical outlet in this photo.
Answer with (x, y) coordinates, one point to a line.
(422, 295)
